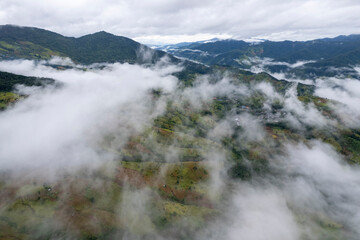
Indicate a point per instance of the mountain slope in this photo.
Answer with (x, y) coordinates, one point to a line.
(288, 51)
(8, 83)
(35, 43)
(325, 54)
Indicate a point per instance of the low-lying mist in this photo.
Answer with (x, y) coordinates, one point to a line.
(237, 160)
(63, 127)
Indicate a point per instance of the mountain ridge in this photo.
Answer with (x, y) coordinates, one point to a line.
(22, 42)
(326, 54)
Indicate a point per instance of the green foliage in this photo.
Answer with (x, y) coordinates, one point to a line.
(240, 170)
(8, 81)
(218, 108)
(305, 90)
(7, 98)
(27, 50)
(321, 104)
(351, 145)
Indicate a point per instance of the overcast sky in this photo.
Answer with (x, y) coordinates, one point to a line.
(151, 21)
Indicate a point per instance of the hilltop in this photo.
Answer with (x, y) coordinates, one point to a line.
(40, 44)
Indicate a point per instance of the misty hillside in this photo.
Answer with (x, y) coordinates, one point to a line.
(324, 54)
(284, 51)
(164, 148)
(9, 82)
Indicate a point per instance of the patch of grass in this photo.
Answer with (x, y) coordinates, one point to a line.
(7, 98)
(174, 209)
(186, 175)
(28, 50)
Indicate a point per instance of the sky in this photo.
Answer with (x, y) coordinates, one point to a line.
(172, 21)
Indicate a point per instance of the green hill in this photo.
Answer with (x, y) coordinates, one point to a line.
(35, 43)
(8, 83)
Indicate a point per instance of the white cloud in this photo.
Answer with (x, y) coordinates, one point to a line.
(312, 191)
(320, 181)
(300, 114)
(347, 92)
(65, 127)
(261, 214)
(171, 39)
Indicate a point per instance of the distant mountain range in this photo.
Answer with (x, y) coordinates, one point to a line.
(321, 57)
(181, 44)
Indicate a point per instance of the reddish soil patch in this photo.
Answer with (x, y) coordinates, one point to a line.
(129, 176)
(164, 132)
(7, 195)
(186, 196)
(134, 178)
(134, 146)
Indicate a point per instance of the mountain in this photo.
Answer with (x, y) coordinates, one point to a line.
(324, 55)
(288, 51)
(35, 43)
(9, 81)
(39, 44)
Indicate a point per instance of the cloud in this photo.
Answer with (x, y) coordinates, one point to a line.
(261, 214)
(252, 129)
(319, 181)
(312, 194)
(134, 210)
(300, 115)
(345, 91)
(261, 63)
(208, 87)
(166, 20)
(65, 127)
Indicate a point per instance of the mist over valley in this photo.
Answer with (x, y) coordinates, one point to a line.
(102, 137)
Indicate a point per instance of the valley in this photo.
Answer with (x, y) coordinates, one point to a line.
(105, 138)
